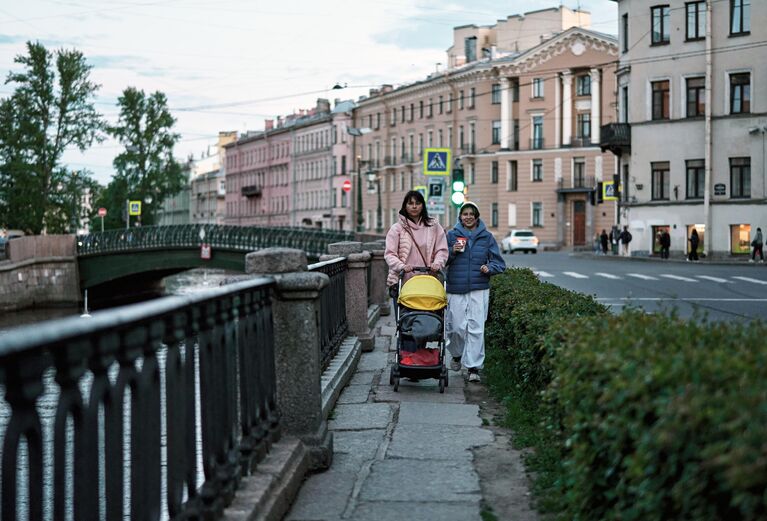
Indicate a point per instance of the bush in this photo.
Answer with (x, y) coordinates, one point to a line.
(661, 419)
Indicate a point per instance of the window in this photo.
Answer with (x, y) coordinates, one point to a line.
(449, 103)
(412, 112)
(660, 100)
(625, 33)
(740, 93)
(403, 113)
(470, 48)
(740, 239)
(515, 90)
(431, 108)
(537, 173)
(393, 117)
(660, 25)
(537, 214)
(460, 100)
(420, 109)
(579, 172)
(441, 106)
(660, 181)
(696, 101)
(583, 85)
(696, 21)
(439, 138)
(472, 97)
(496, 132)
(537, 141)
(625, 104)
(740, 17)
(740, 177)
(584, 126)
(495, 96)
(378, 120)
(494, 172)
(537, 87)
(511, 180)
(696, 178)
(494, 215)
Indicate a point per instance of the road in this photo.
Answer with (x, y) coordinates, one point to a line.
(723, 292)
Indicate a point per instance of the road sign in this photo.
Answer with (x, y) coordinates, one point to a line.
(436, 161)
(102, 212)
(422, 189)
(205, 252)
(347, 186)
(134, 208)
(608, 191)
(435, 207)
(436, 189)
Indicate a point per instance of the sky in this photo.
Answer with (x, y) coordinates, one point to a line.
(229, 64)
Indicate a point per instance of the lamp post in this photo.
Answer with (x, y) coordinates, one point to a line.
(355, 133)
(373, 177)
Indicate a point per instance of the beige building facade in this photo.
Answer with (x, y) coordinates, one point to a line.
(523, 126)
(690, 135)
(207, 183)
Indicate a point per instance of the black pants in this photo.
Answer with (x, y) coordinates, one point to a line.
(757, 248)
(693, 256)
(664, 252)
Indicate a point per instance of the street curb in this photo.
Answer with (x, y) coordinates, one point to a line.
(644, 258)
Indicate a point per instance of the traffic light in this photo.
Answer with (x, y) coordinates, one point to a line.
(457, 196)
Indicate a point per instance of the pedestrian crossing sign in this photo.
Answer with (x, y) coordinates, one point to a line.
(608, 191)
(436, 161)
(134, 208)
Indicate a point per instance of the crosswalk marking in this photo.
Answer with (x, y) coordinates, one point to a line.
(641, 276)
(715, 279)
(607, 276)
(575, 275)
(749, 279)
(678, 277)
(542, 273)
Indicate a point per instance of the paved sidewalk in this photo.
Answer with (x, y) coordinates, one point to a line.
(403, 455)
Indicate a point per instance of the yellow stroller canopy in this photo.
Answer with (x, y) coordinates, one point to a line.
(424, 293)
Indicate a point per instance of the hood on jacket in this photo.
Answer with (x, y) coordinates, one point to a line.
(477, 229)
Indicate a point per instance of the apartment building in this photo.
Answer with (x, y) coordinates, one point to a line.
(690, 134)
(523, 123)
(207, 184)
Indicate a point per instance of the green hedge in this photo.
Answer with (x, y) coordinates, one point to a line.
(640, 416)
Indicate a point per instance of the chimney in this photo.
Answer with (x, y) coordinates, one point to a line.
(386, 88)
(279, 121)
(323, 105)
(268, 124)
(336, 102)
(374, 92)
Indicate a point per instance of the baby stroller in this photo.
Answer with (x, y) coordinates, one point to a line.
(420, 317)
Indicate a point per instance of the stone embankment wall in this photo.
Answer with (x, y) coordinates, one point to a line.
(41, 270)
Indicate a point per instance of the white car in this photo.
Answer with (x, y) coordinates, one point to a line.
(520, 240)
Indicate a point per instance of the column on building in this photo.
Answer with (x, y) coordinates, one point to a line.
(506, 120)
(567, 107)
(557, 113)
(596, 105)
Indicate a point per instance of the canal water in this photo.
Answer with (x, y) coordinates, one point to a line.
(184, 283)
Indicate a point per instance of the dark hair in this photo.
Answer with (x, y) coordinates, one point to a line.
(418, 196)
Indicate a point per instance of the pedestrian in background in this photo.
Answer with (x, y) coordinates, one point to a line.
(474, 258)
(604, 239)
(757, 244)
(625, 238)
(665, 244)
(694, 242)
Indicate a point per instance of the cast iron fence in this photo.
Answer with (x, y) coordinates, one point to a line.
(148, 411)
(333, 324)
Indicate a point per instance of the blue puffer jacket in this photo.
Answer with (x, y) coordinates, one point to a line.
(463, 273)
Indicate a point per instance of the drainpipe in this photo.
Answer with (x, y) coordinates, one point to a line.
(708, 238)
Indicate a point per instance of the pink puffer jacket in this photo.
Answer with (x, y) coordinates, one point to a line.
(400, 249)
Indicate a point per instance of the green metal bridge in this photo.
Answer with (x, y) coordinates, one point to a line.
(159, 251)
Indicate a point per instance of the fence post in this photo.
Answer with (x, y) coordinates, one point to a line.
(356, 289)
(295, 304)
(379, 272)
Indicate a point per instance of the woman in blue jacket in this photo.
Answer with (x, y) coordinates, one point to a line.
(474, 258)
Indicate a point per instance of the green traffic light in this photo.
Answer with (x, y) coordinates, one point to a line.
(458, 186)
(457, 198)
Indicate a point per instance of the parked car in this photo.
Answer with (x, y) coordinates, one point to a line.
(520, 240)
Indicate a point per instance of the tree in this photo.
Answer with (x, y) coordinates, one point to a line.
(146, 168)
(50, 110)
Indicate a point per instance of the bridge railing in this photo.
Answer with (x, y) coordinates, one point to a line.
(98, 417)
(333, 323)
(237, 238)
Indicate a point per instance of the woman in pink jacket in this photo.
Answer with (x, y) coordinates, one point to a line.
(416, 240)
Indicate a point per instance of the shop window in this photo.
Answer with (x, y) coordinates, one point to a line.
(701, 236)
(740, 239)
(656, 233)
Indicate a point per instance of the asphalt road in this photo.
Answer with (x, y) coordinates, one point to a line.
(723, 292)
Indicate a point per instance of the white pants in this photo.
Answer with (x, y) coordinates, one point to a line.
(465, 325)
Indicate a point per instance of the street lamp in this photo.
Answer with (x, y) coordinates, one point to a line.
(373, 177)
(355, 133)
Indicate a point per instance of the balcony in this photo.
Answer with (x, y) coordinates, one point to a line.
(576, 184)
(536, 143)
(468, 149)
(251, 191)
(578, 142)
(615, 137)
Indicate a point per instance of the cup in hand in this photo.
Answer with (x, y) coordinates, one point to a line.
(461, 242)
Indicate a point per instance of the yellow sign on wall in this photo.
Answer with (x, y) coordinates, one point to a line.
(134, 208)
(609, 191)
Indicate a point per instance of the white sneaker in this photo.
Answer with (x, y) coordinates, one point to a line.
(455, 365)
(751, 260)
(474, 377)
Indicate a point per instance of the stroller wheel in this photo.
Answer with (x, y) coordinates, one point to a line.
(391, 375)
(442, 384)
(396, 384)
(446, 378)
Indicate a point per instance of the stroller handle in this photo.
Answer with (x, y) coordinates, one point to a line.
(440, 275)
